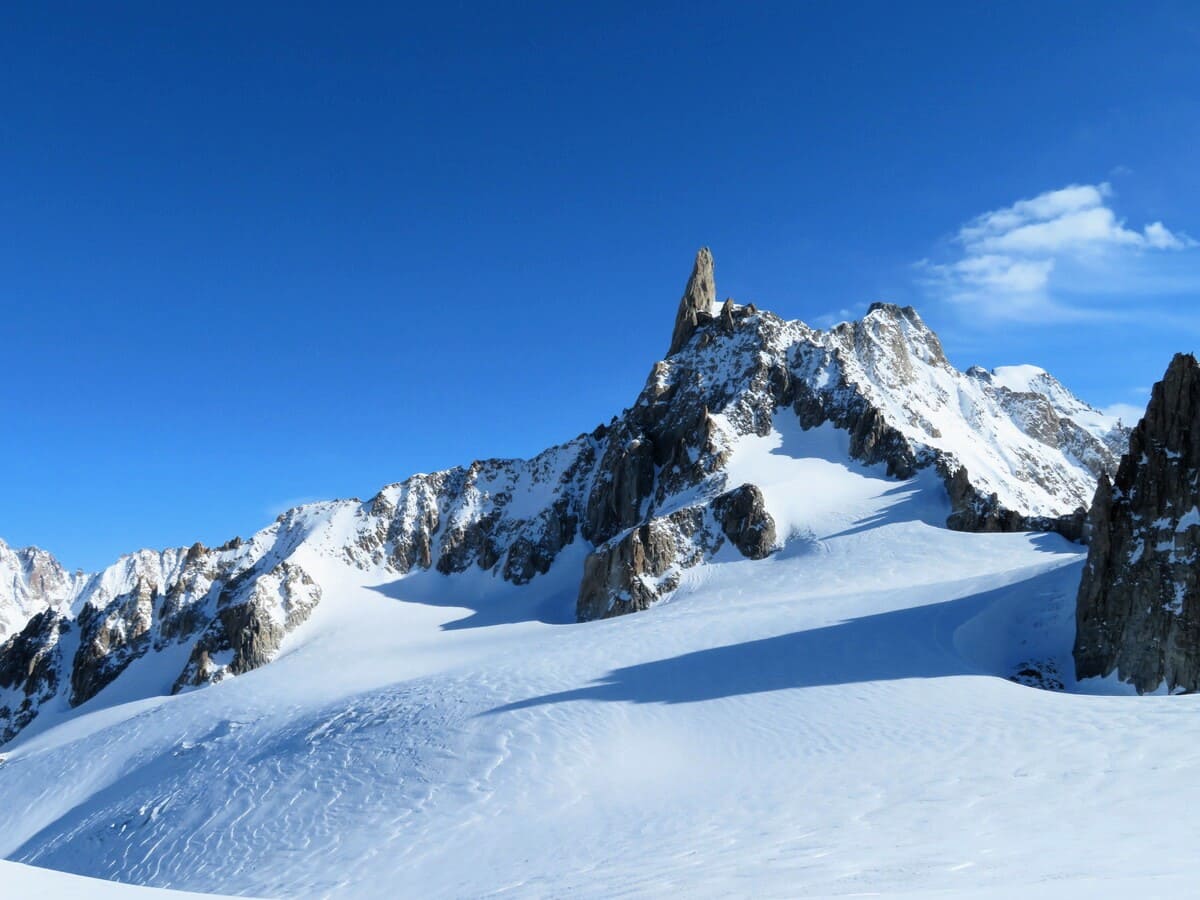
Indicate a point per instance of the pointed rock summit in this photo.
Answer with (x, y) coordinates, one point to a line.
(697, 303)
(1138, 610)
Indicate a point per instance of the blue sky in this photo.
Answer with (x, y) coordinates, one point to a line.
(251, 257)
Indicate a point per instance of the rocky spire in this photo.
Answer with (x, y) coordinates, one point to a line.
(698, 298)
(1138, 610)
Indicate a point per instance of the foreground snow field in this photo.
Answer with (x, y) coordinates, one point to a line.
(46, 884)
(835, 720)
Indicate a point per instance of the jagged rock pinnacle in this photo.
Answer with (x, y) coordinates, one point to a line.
(697, 302)
(1138, 609)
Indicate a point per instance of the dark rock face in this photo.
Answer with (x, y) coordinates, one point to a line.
(470, 542)
(972, 510)
(254, 613)
(631, 572)
(872, 439)
(111, 639)
(624, 478)
(1138, 610)
(744, 518)
(30, 663)
(696, 305)
(528, 557)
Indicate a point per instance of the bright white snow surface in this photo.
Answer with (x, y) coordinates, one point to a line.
(832, 721)
(33, 883)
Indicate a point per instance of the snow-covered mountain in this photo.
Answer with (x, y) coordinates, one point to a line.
(31, 580)
(622, 511)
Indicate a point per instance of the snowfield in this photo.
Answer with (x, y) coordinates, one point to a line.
(836, 720)
(46, 884)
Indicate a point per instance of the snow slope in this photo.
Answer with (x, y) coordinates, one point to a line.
(835, 720)
(46, 884)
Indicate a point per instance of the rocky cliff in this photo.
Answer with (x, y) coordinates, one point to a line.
(1138, 611)
(646, 495)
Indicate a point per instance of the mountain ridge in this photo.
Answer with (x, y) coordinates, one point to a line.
(647, 495)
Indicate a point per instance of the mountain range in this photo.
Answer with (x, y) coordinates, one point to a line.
(634, 503)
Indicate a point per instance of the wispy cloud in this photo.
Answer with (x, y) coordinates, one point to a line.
(1036, 259)
(845, 314)
(1129, 414)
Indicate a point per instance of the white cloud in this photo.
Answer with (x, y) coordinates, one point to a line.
(1128, 413)
(1157, 236)
(1018, 261)
(1005, 273)
(1042, 208)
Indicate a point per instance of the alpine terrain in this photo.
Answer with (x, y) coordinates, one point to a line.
(853, 664)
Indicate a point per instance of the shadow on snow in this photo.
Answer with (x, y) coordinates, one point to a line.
(917, 642)
(487, 598)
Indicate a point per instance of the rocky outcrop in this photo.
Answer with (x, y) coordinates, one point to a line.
(529, 556)
(228, 608)
(30, 670)
(971, 510)
(112, 638)
(743, 515)
(1138, 609)
(696, 307)
(631, 572)
(254, 614)
(624, 478)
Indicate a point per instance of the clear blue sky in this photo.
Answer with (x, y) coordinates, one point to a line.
(250, 257)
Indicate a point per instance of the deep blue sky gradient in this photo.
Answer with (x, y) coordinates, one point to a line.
(254, 256)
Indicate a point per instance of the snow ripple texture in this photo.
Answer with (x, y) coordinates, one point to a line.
(839, 718)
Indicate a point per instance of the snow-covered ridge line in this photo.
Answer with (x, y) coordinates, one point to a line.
(647, 494)
(32, 580)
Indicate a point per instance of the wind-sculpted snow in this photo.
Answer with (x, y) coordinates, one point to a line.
(835, 719)
(634, 504)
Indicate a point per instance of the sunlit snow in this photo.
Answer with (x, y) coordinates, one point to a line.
(835, 720)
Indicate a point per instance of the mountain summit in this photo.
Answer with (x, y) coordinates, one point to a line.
(620, 513)
(699, 297)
